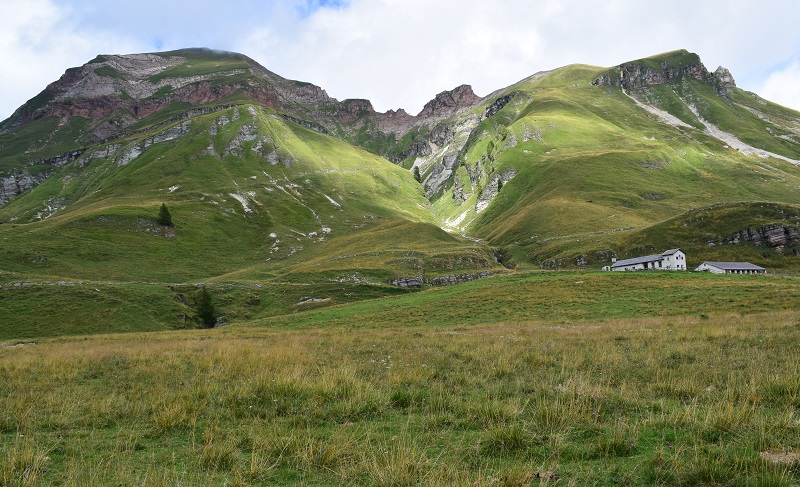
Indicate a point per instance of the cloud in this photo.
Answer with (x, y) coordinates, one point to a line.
(783, 86)
(399, 53)
(36, 47)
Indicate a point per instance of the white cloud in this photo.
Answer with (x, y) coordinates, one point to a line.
(399, 53)
(783, 86)
(36, 47)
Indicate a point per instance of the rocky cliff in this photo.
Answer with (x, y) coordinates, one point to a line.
(639, 74)
(115, 93)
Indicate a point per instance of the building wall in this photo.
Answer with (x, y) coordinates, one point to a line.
(635, 267)
(716, 270)
(675, 262)
(710, 268)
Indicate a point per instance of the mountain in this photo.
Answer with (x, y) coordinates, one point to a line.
(252, 180)
(271, 180)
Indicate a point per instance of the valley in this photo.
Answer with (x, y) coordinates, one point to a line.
(396, 299)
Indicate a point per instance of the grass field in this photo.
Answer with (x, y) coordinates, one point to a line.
(654, 389)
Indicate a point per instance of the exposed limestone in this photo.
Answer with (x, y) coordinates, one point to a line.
(723, 81)
(57, 161)
(167, 135)
(498, 105)
(16, 184)
(492, 188)
(783, 238)
(136, 149)
(106, 151)
(247, 133)
(458, 192)
(449, 102)
(638, 75)
(447, 280)
(305, 123)
(415, 281)
(448, 143)
(530, 133)
(454, 279)
(22, 180)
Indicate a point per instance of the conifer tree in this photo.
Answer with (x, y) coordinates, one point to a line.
(205, 308)
(417, 175)
(164, 217)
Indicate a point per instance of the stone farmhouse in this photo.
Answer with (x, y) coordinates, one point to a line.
(671, 260)
(730, 268)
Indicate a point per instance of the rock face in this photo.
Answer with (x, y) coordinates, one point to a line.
(448, 102)
(116, 92)
(638, 75)
(448, 280)
(16, 184)
(723, 81)
(783, 238)
(142, 84)
(34, 174)
(415, 281)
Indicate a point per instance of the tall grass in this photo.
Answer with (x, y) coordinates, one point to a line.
(651, 401)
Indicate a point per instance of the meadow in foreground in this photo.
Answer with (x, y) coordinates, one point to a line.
(698, 400)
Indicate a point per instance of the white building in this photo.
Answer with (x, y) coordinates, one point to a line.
(730, 268)
(671, 260)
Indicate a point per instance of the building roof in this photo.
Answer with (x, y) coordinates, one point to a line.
(734, 266)
(639, 260)
(646, 258)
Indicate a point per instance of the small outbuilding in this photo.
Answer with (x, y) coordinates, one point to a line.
(730, 268)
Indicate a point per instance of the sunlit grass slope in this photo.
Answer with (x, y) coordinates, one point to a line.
(246, 189)
(583, 160)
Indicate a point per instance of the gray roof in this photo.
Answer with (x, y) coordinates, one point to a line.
(639, 260)
(734, 266)
(646, 258)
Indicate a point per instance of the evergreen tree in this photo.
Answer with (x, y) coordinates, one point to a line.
(205, 308)
(417, 175)
(164, 218)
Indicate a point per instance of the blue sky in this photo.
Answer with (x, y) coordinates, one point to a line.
(400, 53)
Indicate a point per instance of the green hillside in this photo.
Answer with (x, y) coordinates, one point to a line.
(567, 168)
(579, 160)
(254, 198)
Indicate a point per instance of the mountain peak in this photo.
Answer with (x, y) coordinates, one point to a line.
(448, 102)
(656, 70)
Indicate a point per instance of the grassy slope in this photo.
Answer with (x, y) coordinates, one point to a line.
(702, 391)
(379, 228)
(598, 163)
(107, 231)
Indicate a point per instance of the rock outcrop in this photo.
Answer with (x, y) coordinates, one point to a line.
(783, 238)
(36, 172)
(447, 280)
(639, 74)
(723, 81)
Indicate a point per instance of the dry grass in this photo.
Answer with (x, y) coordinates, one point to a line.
(639, 402)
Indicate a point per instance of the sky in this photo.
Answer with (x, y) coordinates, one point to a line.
(401, 53)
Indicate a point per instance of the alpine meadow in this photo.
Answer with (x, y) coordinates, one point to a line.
(213, 275)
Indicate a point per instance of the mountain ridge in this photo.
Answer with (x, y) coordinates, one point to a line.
(487, 165)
